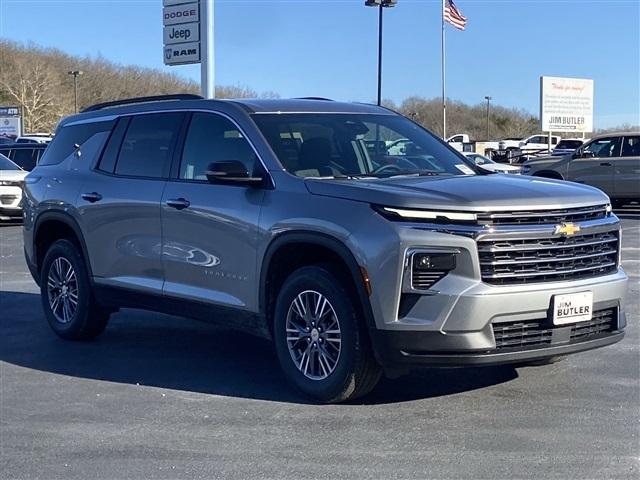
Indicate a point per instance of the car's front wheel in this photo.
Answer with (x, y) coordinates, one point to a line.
(66, 294)
(320, 338)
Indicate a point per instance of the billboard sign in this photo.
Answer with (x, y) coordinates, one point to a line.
(10, 122)
(566, 104)
(181, 32)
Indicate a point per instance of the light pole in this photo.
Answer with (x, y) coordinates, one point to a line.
(488, 99)
(381, 4)
(76, 74)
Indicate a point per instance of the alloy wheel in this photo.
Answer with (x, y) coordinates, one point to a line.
(62, 290)
(313, 335)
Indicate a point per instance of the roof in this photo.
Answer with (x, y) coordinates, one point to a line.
(615, 134)
(306, 105)
(250, 106)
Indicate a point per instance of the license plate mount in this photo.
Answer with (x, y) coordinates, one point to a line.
(572, 308)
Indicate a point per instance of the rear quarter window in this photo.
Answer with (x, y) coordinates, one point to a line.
(67, 137)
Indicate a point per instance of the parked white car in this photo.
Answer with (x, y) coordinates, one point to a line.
(529, 144)
(35, 138)
(11, 180)
(488, 164)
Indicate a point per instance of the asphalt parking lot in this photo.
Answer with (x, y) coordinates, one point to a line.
(165, 397)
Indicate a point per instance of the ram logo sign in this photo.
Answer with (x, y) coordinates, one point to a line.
(182, 53)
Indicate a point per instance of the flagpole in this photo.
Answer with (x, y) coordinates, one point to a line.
(444, 98)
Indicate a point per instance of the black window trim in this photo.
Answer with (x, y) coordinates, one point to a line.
(174, 172)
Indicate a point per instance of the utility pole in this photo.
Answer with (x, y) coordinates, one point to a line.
(76, 74)
(380, 4)
(207, 65)
(488, 99)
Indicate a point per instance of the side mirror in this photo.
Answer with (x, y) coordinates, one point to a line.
(231, 172)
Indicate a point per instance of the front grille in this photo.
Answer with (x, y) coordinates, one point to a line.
(512, 262)
(538, 217)
(538, 333)
(425, 279)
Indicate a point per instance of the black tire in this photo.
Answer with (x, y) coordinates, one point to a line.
(356, 372)
(88, 320)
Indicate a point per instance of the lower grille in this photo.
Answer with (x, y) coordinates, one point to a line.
(538, 333)
(509, 262)
(424, 280)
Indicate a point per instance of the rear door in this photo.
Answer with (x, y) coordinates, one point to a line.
(210, 231)
(119, 203)
(594, 164)
(626, 169)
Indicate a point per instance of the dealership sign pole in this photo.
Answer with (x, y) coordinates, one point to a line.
(188, 38)
(566, 105)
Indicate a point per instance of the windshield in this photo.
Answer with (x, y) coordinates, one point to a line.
(6, 164)
(352, 145)
(571, 144)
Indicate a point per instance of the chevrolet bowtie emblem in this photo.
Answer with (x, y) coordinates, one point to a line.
(567, 229)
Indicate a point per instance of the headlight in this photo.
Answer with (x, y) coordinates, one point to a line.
(526, 169)
(434, 215)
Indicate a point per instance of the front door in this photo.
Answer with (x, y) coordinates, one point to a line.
(210, 230)
(594, 164)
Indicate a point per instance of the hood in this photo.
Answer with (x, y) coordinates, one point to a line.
(469, 193)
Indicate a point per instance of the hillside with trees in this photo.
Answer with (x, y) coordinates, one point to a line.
(37, 80)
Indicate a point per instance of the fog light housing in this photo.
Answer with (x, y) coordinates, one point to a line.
(428, 268)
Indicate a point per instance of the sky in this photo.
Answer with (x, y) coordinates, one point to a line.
(328, 48)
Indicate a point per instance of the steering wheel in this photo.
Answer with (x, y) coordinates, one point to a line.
(391, 168)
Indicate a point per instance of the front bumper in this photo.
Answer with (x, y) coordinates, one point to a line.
(10, 199)
(404, 349)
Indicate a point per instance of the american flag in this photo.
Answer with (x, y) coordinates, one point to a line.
(453, 16)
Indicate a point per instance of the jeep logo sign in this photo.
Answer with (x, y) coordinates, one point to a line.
(182, 53)
(188, 32)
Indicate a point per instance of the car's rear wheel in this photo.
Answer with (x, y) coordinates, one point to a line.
(320, 338)
(66, 294)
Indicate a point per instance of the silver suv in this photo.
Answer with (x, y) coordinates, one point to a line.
(292, 220)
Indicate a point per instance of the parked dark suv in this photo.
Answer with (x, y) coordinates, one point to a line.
(293, 220)
(25, 155)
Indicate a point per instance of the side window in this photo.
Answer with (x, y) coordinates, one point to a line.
(148, 144)
(63, 144)
(631, 147)
(24, 158)
(212, 138)
(604, 147)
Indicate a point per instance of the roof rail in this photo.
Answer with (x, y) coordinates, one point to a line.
(131, 101)
(315, 98)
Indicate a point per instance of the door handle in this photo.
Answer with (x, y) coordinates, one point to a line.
(178, 203)
(606, 164)
(91, 197)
